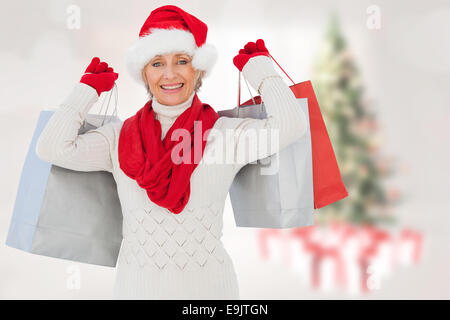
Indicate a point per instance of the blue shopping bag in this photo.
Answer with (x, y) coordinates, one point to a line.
(64, 213)
(31, 192)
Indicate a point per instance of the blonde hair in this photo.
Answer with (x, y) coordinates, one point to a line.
(198, 83)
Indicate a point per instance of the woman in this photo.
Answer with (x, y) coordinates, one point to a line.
(172, 210)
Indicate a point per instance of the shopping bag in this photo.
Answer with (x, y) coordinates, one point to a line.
(63, 213)
(328, 184)
(265, 198)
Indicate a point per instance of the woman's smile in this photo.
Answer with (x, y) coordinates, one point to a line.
(172, 88)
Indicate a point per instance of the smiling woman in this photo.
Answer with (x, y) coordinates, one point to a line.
(172, 211)
(171, 78)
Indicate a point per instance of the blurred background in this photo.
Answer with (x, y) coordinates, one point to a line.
(381, 71)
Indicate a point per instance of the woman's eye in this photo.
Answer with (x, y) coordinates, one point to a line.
(156, 64)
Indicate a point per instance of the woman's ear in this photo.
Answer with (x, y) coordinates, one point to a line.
(144, 76)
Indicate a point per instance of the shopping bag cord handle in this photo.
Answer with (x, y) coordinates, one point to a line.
(109, 99)
(281, 68)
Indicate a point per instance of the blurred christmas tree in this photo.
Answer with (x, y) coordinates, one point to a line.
(352, 130)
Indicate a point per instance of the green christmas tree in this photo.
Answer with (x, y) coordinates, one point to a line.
(352, 130)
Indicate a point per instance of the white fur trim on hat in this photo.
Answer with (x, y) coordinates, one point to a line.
(205, 58)
(163, 41)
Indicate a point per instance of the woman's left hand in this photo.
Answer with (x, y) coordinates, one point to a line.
(250, 50)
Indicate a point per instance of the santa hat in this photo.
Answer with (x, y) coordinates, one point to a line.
(170, 29)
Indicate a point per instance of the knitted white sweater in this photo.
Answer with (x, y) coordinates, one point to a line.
(165, 255)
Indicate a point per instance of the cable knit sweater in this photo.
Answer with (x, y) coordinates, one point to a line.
(165, 255)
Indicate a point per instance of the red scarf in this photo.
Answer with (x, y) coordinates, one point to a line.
(146, 159)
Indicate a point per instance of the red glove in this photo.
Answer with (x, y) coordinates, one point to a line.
(250, 50)
(99, 76)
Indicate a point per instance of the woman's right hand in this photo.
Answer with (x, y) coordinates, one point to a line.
(99, 76)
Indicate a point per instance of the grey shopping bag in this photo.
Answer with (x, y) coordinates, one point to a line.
(284, 199)
(63, 213)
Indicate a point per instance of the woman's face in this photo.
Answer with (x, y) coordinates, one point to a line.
(170, 77)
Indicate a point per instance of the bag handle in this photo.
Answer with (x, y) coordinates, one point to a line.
(110, 92)
(239, 83)
(115, 90)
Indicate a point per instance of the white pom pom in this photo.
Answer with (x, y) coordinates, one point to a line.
(205, 58)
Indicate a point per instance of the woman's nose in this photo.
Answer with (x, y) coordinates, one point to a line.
(169, 72)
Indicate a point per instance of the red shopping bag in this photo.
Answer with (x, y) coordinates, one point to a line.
(327, 180)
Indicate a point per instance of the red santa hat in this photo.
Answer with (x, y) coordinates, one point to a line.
(170, 29)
